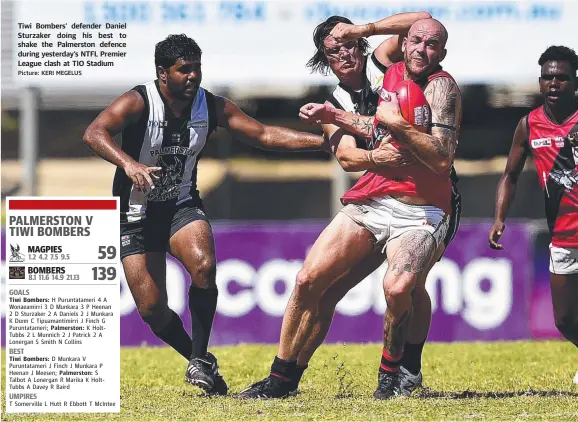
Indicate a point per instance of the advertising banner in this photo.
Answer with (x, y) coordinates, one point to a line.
(477, 294)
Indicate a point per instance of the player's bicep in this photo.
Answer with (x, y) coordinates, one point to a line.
(233, 119)
(389, 51)
(121, 112)
(445, 100)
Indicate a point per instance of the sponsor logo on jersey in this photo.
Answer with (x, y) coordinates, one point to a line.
(157, 123)
(197, 124)
(421, 116)
(541, 143)
(385, 96)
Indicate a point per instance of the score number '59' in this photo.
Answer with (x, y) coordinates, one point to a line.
(105, 273)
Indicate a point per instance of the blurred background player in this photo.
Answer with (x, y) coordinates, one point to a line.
(549, 134)
(165, 125)
(338, 112)
(419, 217)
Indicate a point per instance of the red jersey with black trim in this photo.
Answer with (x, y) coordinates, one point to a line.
(556, 162)
(414, 180)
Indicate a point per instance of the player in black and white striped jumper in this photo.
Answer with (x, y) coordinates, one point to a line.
(165, 124)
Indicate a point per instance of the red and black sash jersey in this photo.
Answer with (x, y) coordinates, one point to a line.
(414, 180)
(556, 160)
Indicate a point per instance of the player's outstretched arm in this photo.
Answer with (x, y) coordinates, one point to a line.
(255, 133)
(351, 158)
(98, 136)
(389, 51)
(355, 124)
(509, 181)
(436, 150)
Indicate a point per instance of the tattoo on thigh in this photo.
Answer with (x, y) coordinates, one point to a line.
(395, 333)
(414, 254)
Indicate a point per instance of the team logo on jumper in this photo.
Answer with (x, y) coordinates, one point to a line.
(125, 240)
(170, 177)
(566, 178)
(15, 254)
(541, 143)
(559, 141)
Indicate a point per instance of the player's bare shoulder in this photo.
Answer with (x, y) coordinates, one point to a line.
(130, 104)
(522, 132)
(225, 109)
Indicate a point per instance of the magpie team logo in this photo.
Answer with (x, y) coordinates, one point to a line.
(15, 254)
(16, 273)
(168, 185)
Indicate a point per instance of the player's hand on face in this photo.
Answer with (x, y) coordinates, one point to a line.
(343, 32)
(388, 110)
(495, 234)
(388, 155)
(142, 177)
(314, 113)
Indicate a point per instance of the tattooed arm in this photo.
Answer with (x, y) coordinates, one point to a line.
(436, 150)
(351, 158)
(326, 114)
(354, 123)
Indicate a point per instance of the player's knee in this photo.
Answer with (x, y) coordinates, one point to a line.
(305, 288)
(567, 324)
(396, 288)
(203, 275)
(153, 312)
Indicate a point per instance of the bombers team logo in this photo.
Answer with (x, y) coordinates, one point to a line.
(566, 178)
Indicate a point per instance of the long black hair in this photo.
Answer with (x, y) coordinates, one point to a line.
(319, 63)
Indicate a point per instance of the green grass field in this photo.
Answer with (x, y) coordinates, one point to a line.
(463, 381)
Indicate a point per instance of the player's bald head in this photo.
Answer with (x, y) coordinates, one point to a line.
(432, 27)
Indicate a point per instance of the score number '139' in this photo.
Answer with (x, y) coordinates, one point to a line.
(105, 273)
